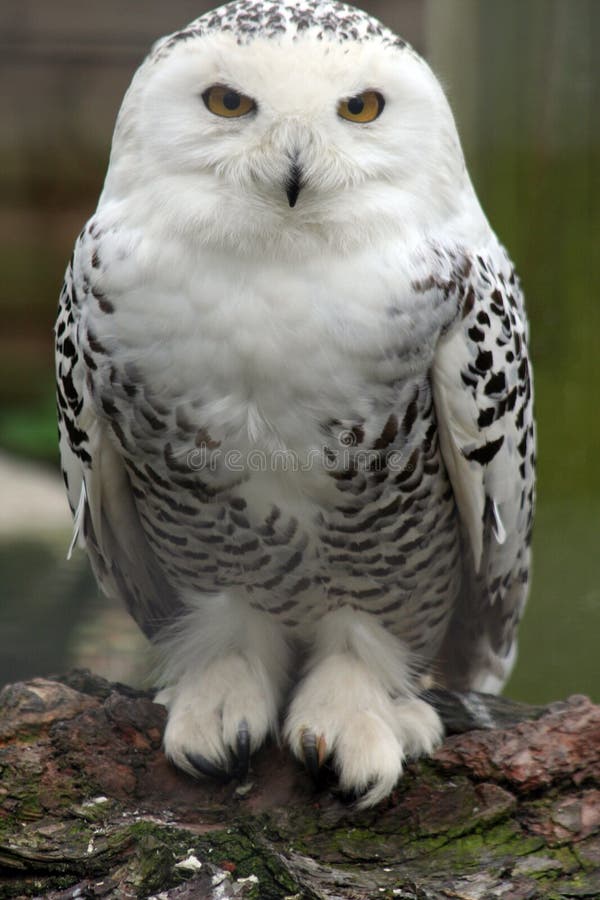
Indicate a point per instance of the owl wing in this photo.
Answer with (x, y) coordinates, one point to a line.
(100, 495)
(483, 400)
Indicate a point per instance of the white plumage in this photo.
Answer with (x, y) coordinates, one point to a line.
(294, 393)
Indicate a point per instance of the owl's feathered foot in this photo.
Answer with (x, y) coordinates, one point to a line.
(218, 716)
(341, 713)
(356, 711)
(226, 672)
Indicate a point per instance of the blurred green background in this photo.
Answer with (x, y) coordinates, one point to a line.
(523, 80)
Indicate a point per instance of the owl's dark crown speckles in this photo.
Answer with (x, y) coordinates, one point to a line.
(249, 19)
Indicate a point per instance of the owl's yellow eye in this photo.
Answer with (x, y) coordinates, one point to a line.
(224, 101)
(363, 108)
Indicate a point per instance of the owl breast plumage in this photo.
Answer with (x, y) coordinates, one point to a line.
(294, 393)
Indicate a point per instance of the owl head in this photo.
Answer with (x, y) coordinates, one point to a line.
(288, 123)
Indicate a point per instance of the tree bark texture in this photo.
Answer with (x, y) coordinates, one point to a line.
(89, 807)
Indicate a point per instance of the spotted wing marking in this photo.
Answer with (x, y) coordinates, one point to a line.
(106, 519)
(483, 398)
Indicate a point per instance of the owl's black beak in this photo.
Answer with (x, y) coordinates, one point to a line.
(293, 184)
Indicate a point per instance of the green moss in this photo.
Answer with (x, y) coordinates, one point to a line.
(245, 846)
(91, 811)
(30, 809)
(567, 857)
(157, 852)
(580, 884)
(487, 849)
(547, 863)
(143, 856)
(150, 852)
(35, 886)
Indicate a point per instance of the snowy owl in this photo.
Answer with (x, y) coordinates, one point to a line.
(295, 397)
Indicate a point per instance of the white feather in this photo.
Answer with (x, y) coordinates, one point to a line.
(264, 320)
(78, 522)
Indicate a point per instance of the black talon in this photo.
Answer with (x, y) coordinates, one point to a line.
(205, 767)
(311, 756)
(242, 756)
